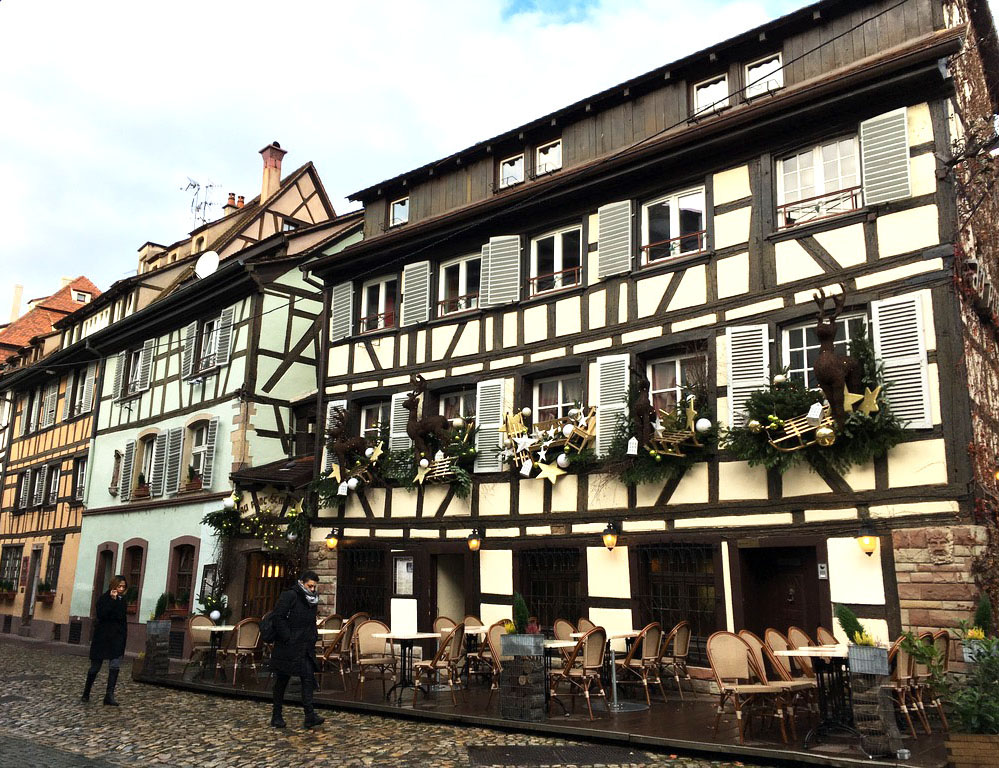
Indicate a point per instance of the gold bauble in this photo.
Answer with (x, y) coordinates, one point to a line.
(825, 436)
(754, 426)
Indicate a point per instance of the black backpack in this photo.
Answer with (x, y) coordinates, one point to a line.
(268, 629)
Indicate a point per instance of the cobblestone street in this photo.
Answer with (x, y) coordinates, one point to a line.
(44, 725)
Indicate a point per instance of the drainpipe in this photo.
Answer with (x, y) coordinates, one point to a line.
(321, 365)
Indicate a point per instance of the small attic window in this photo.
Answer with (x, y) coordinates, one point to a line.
(399, 212)
(289, 226)
(199, 245)
(81, 297)
(711, 95)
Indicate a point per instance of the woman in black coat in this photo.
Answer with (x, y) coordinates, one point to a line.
(294, 651)
(110, 634)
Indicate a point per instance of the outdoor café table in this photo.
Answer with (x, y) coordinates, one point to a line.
(214, 643)
(406, 641)
(552, 648)
(832, 679)
(615, 705)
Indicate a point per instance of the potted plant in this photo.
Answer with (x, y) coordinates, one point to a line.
(193, 480)
(132, 599)
(974, 736)
(179, 604)
(865, 654)
(215, 607)
(141, 489)
(45, 593)
(522, 680)
(8, 590)
(972, 635)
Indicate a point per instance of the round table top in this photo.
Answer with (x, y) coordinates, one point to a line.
(838, 651)
(560, 643)
(406, 635)
(216, 628)
(616, 636)
(329, 631)
(480, 630)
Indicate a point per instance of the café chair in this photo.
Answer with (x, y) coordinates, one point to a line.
(581, 678)
(740, 682)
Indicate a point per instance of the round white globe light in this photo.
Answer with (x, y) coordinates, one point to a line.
(292, 536)
(703, 425)
(525, 412)
(567, 430)
(562, 460)
(780, 378)
(215, 615)
(457, 422)
(229, 502)
(574, 413)
(424, 463)
(369, 452)
(352, 483)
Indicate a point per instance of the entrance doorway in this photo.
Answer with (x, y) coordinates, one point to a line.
(450, 570)
(31, 589)
(780, 589)
(266, 578)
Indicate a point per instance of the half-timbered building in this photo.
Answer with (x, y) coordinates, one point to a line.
(675, 227)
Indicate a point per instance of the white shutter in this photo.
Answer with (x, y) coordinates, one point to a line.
(899, 345)
(38, 476)
(416, 293)
(52, 483)
(146, 363)
(223, 341)
(209, 464)
(88, 390)
(125, 481)
(399, 416)
(614, 246)
(26, 415)
(612, 399)
(488, 420)
(884, 151)
(190, 341)
(49, 405)
(36, 410)
(331, 407)
(501, 277)
(159, 465)
(174, 450)
(119, 373)
(341, 311)
(22, 501)
(69, 407)
(748, 367)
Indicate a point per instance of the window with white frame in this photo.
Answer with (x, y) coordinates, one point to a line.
(554, 397)
(674, 225)
(374, 417)
(148, 448)
(460, 404)
(52, 492)
(818, 182)
(548, 157)
(208, 343)
(511, 171)
(556, 260)
(801, 346)
(199, 447)
(79, 477)
(81, 297)
(459, 284)
(133, 364)
(670, 376)
(378, 304)
(288, 225)
(37, 485)
(399, 212)
(764, 76)
(10, 564)
(711, 95)
(79, 392)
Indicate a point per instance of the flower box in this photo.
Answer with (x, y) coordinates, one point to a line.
(193, 485)
(177, 612)
(141, 492)
(523, 645)
(132, 609)
(968, 750)
(45, 597)
(8, 596)
(868, 659)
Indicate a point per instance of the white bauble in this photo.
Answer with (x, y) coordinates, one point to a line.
(215, 615)
(229, 502)
(525, 412)
(292, 536)
(369, 452)
(567, 430)
(352, 483)
(780, 378)
(562, 460)
(573, 413)
(703, 425)
(424, 463)
(457, 422)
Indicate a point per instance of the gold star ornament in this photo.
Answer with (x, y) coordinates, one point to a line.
(335, 472)
(691, 412)
(421, 474)
(549, 472)
(850, 399)
(869, 404)
(376, 452)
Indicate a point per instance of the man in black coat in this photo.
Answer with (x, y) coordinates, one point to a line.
(294, 651)
(110, 634)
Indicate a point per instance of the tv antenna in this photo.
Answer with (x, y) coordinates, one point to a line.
(202, 200)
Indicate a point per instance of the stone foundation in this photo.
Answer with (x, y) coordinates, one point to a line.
(324, 562)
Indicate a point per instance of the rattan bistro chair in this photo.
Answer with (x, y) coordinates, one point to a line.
(642, 659)
(673, 656)
(590, 651)
(825, 637)
(340, 652)
(900, 682)
(245, 645)
(494, 645)
(200, 640)
(776, 641)
(802, 689)
(740, 682)
(584, 625)
(798, 638)
(442, 623)
(330, 622)
(373, 653)
(447, 659)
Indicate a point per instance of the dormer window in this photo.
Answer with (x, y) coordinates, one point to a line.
(711, 95)
(549, 157)
(511, 171)
(399, 212)
(764, 76)
(81, 297)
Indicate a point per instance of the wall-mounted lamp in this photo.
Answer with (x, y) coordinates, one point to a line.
(333, 537)
(867, 541)
(610, 535)
(474, 540)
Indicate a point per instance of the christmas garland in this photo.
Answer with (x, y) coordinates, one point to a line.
(862, 437)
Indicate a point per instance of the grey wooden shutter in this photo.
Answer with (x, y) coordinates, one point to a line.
(748, 367)
(399, 416)
(223, 341)
(484, 276)
(36, 409)
(614, 231)
(22, 501)
(209, 465)
(884, 151)
(341, 311)
(502, 276)
(119, 374)
(190, 341)
(612, 399)
(38, 476)
(159, 465)
(416, 293)
(70, 407)
(88, 390)
(146, 363)
(26, 414)
(899, 344)
(125, 481)
(49, 405)
(331, 407)
(174, 451)
(488, 419)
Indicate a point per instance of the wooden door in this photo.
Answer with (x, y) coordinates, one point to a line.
(780, 588)
(31, 588)
(266, 578)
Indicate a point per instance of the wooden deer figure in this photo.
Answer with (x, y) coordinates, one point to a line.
(339, 443)
(834, 372)
(418, 429)
(643, 414)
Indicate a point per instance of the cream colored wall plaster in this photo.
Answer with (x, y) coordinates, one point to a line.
(538, 530)
(646, 494)
(568, 316)
(694, 322)
(607, 573)
(362, 360)
(490, 613)
(421, 347)
(738, 480)
(693, 289)
(564, 494)
(490, 324)
(496, 571)
(861, 478)
(801, 481)
(731, 185)
(638, 526)
(597, 309)
(338, 359)
(639, 335)
(732, 228)
(468, 344)
(590, 346)
(923, 174)
(733, 521)
(535, 324)
(403, 503)
(607, 492)
(733, 275)
(760, 307)
(907, 231)
(845, 244)
(649, 292)
(494, 499)
(389, 533)
(693, 488)
(919, 463)
(509, 329)
(941, 507)
(460, 370)
(899, 273)
(532, 497)
(794, 262)
(825, 515)
(615, 621)
(853, 576)
(548, 354)
(622, 303)
(919, 123)
(506, 362)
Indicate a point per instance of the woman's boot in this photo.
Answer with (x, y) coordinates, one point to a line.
(112, 681)
(91, 676)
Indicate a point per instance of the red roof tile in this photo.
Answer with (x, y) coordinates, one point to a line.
(39, 319)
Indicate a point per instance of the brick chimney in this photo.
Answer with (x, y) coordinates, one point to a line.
(239, 202)
(272, 155)
(230, 206)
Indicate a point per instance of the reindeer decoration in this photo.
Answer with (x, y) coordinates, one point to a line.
(339, 444)
(419, 429)
(643, 414)
(835, 373)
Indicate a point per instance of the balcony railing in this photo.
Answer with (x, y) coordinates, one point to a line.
(555, 281)
(458, 304)
(689, 244)
(376, 322)
(818, 207)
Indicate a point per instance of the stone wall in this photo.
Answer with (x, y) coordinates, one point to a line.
(323, 562)
(936, 588)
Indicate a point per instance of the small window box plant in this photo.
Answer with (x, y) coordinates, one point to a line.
(45, 594)
(193, 480)
(179, 604)
(132, 600)
(141, 489)
(8, 590)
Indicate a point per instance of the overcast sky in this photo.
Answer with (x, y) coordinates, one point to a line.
(108, 107)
